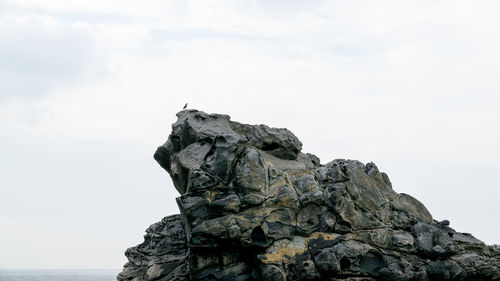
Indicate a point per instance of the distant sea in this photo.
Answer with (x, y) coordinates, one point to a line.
(58, 275)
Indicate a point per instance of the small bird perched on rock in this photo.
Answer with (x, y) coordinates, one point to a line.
(185, 106)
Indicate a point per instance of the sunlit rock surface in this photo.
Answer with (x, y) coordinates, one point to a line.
(253, 207)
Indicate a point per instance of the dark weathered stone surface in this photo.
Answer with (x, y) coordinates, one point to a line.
(162, 255)
(253, 207)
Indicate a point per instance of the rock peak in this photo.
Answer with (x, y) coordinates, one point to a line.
(213, 143)
(254, 207)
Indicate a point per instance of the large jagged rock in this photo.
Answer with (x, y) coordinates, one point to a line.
(253, 207)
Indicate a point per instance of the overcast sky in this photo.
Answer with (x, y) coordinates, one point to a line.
(89, 89)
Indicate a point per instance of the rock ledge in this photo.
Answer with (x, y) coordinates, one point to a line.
(254, 207)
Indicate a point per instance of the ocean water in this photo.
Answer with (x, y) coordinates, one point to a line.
(58, 275)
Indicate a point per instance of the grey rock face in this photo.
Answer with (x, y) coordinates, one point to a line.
(253, 207)
(162, 255)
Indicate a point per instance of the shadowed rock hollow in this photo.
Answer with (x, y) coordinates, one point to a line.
(253, 207)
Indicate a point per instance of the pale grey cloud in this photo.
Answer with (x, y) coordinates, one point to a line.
(69, 204)
(412, 86)
(39, 54)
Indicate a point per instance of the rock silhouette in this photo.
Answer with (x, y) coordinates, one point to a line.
(254, 207)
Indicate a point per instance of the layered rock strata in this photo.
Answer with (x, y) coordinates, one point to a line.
(254, 207)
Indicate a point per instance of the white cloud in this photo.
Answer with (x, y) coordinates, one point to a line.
(40, 54)
(410, 85)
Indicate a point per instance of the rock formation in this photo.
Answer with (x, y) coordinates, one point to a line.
(253, 207)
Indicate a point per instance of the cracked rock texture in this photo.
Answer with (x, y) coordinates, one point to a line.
(254, 207)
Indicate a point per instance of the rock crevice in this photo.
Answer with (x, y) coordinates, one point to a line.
(254, 207)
